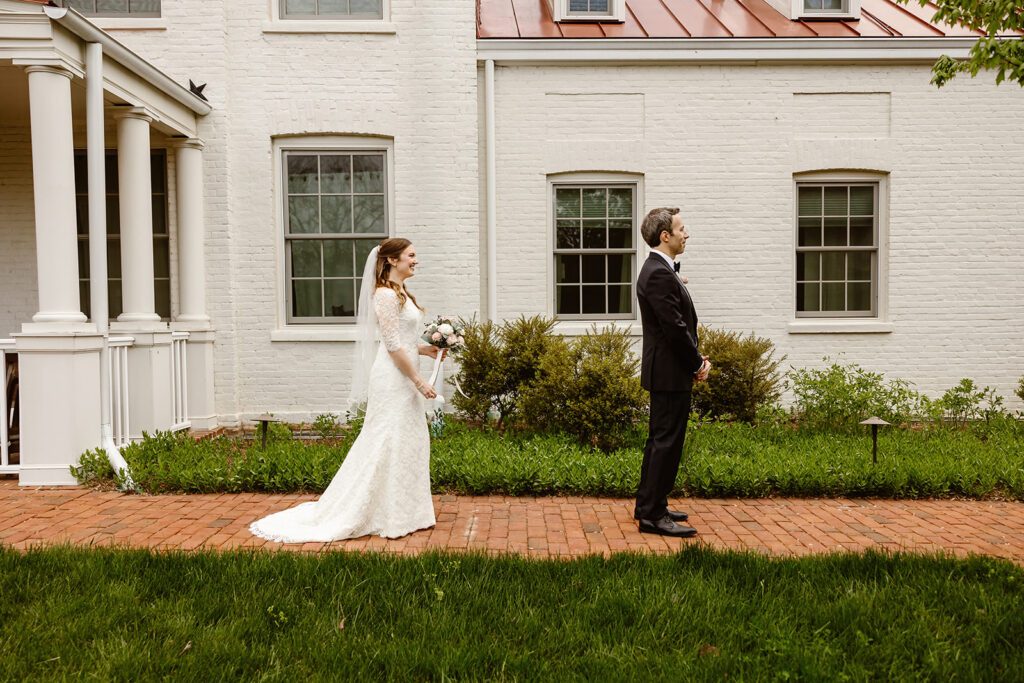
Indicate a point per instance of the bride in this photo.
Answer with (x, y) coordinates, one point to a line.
(383, 486)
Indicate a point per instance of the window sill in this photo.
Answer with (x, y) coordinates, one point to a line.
(128, 24)
(828, 16)
(327, 26)
(319, 333)
(839, 327)
(577, 328)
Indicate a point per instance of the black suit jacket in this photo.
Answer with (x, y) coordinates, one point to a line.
(671, 355)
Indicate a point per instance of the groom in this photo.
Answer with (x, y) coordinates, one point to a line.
(671, 363)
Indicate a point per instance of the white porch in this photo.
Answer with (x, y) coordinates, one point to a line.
(101, 243)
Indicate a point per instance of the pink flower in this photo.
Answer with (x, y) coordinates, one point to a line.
(451, 339)
(436, 336)
(461, 339)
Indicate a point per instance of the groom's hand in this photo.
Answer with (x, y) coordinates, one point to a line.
(705, 369)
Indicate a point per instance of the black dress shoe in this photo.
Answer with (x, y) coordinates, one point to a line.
(678, 516)
(666, 527)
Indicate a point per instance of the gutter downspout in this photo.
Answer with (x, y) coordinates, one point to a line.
(492, 215)
(95, 154)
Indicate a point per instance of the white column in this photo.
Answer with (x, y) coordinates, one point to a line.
(191, 253)
(136, 203)
(53, 178)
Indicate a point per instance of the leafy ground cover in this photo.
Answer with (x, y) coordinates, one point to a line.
(700, 614)
(721, 459)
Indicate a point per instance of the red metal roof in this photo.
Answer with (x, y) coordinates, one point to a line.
(711, 19)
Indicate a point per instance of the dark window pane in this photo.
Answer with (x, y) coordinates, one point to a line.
(300, 6)
(83, 297)
(810, 232)
(858, 265)
(833, 296)
(162, 298)
(305, 258)
(833, 265)
(567, 268)
(593, 269)
(620, 202)
(368, 214)
(862, 232)
(620, 268)
(82, 214)
(807, 266)
(363, 249)
(113, 259)
(328, 7)
(807, 297)
(568, 300)
(340, 297)
(157, 172)
(835, 232)
(567, 234)
(859, 294)
(159, 214)
(835, 201)
(115, 303)
(110, 175)
(161, 258)
(809, 201)
(113, 216)
(593, 299)
(368, 173)
(81, 174)
(302, 174)
(862, 201)
(306, 299)
(567, 203)
(594, 234)
(111, 6)
(336, 214)
(620, 299)
(335, 174)
(338, 259)
(595, 202)
(83, 259)
(303, 215)
(620, 234)
(144, 6)
(361, 7)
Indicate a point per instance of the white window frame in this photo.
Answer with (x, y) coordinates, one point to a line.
(810, 322)
(580, 323)
(616, 12)
(326, 24)
(332, 330)
(118, 15)
(850, 10)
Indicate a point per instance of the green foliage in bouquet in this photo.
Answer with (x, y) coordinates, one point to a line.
(496, 362)
(744, 375)
(838, 397)
(587, 388)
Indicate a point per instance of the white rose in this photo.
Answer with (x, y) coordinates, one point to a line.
(445, 329)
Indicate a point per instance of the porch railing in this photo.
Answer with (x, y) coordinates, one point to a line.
(119, 389)
(179, 381)
(8, 410)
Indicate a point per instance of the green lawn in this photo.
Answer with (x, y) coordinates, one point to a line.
(721, 460)
(701, 614)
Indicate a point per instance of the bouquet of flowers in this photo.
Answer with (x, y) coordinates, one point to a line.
(446, 334)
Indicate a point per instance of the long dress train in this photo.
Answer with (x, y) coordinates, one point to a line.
(383, 486)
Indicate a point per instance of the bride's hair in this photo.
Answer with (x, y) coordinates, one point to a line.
(392, 248)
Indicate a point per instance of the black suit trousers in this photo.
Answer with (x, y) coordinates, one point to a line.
(670, 411)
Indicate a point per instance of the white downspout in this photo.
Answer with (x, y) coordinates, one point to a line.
(492, 215)
(95, 153)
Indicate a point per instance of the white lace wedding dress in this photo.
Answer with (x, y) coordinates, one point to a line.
(383, 486)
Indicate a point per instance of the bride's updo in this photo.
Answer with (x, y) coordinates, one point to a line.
(392, 248)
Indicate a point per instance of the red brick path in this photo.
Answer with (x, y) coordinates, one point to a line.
(562, 526)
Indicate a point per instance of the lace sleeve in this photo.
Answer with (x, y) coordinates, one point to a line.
(385, 304)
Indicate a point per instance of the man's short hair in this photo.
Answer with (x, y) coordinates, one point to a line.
(655, 222)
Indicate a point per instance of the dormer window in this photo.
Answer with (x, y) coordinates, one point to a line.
(588, 10)
(823, 6)
(825, 9)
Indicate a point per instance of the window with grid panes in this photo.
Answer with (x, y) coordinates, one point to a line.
(114, 8)
(332, 9)
(595, 251)
(823, 6)
(588, 7)
(161, 246)
(837, 249)
(336, 213)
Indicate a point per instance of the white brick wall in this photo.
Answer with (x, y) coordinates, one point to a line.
(19, 298)
(723, 143)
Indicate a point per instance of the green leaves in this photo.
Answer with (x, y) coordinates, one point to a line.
(744, 376)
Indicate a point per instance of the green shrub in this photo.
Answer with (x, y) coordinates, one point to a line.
(838, 397)
(965, 404)
(497, 362)
(744, 375)
(93, 468)
(587, 388)
(1020, 389)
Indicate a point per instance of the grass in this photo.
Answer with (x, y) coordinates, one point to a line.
(700, 614)
(721, 460)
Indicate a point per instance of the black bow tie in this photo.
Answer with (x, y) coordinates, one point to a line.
(675, 266)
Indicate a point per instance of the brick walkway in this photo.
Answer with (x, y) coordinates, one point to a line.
(534, 526)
